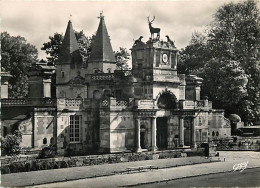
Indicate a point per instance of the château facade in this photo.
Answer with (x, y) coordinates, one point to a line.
(99, 108)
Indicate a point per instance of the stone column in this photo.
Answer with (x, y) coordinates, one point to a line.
(138, 145)
(181, 131)
(55, 127)
(193, 133)
(154, 146)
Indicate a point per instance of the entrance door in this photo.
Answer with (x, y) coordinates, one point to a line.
(161, 135)
(142, 133)
(187, 132)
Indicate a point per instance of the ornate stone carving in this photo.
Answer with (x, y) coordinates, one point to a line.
(78, 80)
(25, 127)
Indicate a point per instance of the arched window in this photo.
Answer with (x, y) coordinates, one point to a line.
(109, 70)
(213, 133)
(44, 141)
(217, 133)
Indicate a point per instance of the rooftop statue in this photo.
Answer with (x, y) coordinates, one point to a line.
(153, 30)
(138, 40)
(169, 40)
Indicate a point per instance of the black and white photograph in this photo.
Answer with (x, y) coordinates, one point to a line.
(130, 93)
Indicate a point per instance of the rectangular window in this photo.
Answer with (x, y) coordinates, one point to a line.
(75, 128)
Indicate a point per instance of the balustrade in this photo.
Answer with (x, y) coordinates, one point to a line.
(186, 104)
(115, 103)
(29, 102)
(73, 102)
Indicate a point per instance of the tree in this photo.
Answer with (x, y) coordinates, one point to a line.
(224, 83)
(11, 143)
(85, 44)
(193, 57)
(52, 48)
(122, 56)
(17, 57)
(232, 44)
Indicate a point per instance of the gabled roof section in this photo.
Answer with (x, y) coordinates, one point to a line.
(69, 52)
(102, 50)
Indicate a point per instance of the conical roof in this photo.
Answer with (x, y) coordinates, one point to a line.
(69, 51)
(102, 50)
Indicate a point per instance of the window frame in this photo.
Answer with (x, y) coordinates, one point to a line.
(74, 127)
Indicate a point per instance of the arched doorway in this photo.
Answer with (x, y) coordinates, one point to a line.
(161, 134)
(167, 100)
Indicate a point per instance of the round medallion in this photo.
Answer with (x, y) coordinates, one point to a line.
(165, 58)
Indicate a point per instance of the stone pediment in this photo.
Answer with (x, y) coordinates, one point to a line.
(78, 80)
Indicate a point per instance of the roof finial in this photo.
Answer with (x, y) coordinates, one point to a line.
(101, 16)
(70, 17)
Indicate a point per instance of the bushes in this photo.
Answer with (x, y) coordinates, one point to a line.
(5, 169)
(47, 152)
(46, 164)
(10, 145)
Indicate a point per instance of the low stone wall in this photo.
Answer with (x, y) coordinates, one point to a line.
(32, 164)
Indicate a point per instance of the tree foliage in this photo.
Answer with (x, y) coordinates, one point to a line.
(52, 48)
(122, 56)
(10, 145)
(227, 57)
(17, 56)
(85, 44)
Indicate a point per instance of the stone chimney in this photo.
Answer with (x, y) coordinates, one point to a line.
(5, 76)
(40, 80)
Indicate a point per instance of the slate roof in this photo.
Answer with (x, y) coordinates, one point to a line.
(69, 52)
(102, 50)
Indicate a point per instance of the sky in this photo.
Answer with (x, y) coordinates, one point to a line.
(125, 20)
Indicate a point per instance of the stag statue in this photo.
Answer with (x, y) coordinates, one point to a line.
(152, 29)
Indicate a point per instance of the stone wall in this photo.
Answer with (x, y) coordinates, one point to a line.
(117, 131)
(43, 130)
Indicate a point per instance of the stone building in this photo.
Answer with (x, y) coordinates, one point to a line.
(100, 108)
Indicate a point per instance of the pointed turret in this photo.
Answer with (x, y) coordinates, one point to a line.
(69, 51)
(102, 50)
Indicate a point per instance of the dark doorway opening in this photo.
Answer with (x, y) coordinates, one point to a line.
(161, 135)
(187, 131)
(142, 134)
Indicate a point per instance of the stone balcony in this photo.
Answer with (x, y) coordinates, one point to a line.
(69, 104)
(43, 102)
(201, 104)
(116, 104)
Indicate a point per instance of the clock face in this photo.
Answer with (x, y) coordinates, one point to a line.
(165, 58)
